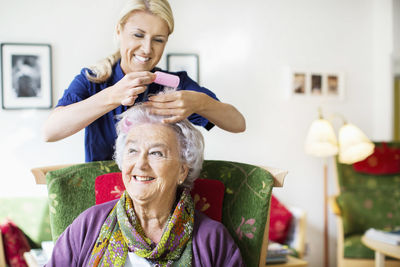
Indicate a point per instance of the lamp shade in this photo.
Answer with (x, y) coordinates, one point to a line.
(354, 145)
(321, 140)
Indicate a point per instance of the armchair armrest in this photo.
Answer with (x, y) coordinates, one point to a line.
(334, 205)
(278, 175)
(40, 172)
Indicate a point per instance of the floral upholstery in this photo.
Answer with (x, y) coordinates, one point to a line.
(367, 200)
(71, 191)
(245, 205)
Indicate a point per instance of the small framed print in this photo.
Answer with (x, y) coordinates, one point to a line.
(316, 84)
(184, 62)
(26, 76)
(332, 84)
(299, 83)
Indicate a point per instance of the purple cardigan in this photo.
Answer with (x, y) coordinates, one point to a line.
(212, 244)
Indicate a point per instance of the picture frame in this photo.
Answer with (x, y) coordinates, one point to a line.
(299, 83)
(26, 75)
(184, 62)
(329, 85)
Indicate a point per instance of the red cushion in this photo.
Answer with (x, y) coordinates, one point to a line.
(15, 244)
(108, 187)
(280, 219)
(207, 194)
(384, 160)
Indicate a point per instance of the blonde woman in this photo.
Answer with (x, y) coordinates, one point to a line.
(99, 93)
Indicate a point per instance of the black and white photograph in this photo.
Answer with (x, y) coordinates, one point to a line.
(184, 62)
(26, 76)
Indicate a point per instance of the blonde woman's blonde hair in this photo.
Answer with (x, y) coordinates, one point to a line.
(101, 71)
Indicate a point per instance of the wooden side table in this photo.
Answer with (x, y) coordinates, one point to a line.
(381, 249)
(292, 262)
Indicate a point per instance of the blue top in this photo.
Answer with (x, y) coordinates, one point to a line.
(100, 135)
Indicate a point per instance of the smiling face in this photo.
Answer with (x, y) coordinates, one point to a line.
(142, 41)
(151, 165)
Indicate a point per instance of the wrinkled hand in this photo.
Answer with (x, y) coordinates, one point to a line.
(130, 86)
(178, 104)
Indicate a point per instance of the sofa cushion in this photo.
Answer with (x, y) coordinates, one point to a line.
(366, 209)
(279, 221)
(384, 160)
(15, 244)
(108, 187)
(208, 196)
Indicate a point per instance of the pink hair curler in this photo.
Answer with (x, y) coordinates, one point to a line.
(126, 125)
(166, 79)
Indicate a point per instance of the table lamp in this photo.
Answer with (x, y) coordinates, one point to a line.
(321, 141)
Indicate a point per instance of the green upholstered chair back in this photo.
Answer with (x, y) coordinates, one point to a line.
(366, 201)
(245, 208)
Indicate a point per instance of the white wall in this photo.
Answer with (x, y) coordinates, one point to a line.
(244, 48)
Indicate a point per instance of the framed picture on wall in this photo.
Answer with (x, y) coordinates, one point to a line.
(299, 80)
(316, 84)
(184, 62)
(26, 76)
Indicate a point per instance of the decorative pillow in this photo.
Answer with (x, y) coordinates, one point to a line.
(366, 209)
(108, 187)
(384, 160)
(15, 244)
(208, 196)
(280, 219)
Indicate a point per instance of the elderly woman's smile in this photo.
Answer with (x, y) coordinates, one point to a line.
(151, 164)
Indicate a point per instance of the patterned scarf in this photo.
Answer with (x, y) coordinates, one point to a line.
(122, 231)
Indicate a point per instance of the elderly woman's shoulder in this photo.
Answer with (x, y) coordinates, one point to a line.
(96, 212)
(205, 226)
(212, 244)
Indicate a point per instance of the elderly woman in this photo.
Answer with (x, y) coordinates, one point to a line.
(154, 222)
(126, 77)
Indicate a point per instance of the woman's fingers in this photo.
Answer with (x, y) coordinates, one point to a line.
(162, 98)
(137, 90)
(129, 101)
(173, 119)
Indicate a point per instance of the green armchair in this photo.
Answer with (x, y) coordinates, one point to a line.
(364, 201)
(245, 211)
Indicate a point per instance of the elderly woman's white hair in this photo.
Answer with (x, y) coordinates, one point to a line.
(191, 142)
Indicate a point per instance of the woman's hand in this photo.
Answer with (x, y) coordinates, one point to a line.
(181, 104)
(177, 104)
(130, 86)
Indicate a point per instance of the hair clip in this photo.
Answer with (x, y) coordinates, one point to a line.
(126, 125)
